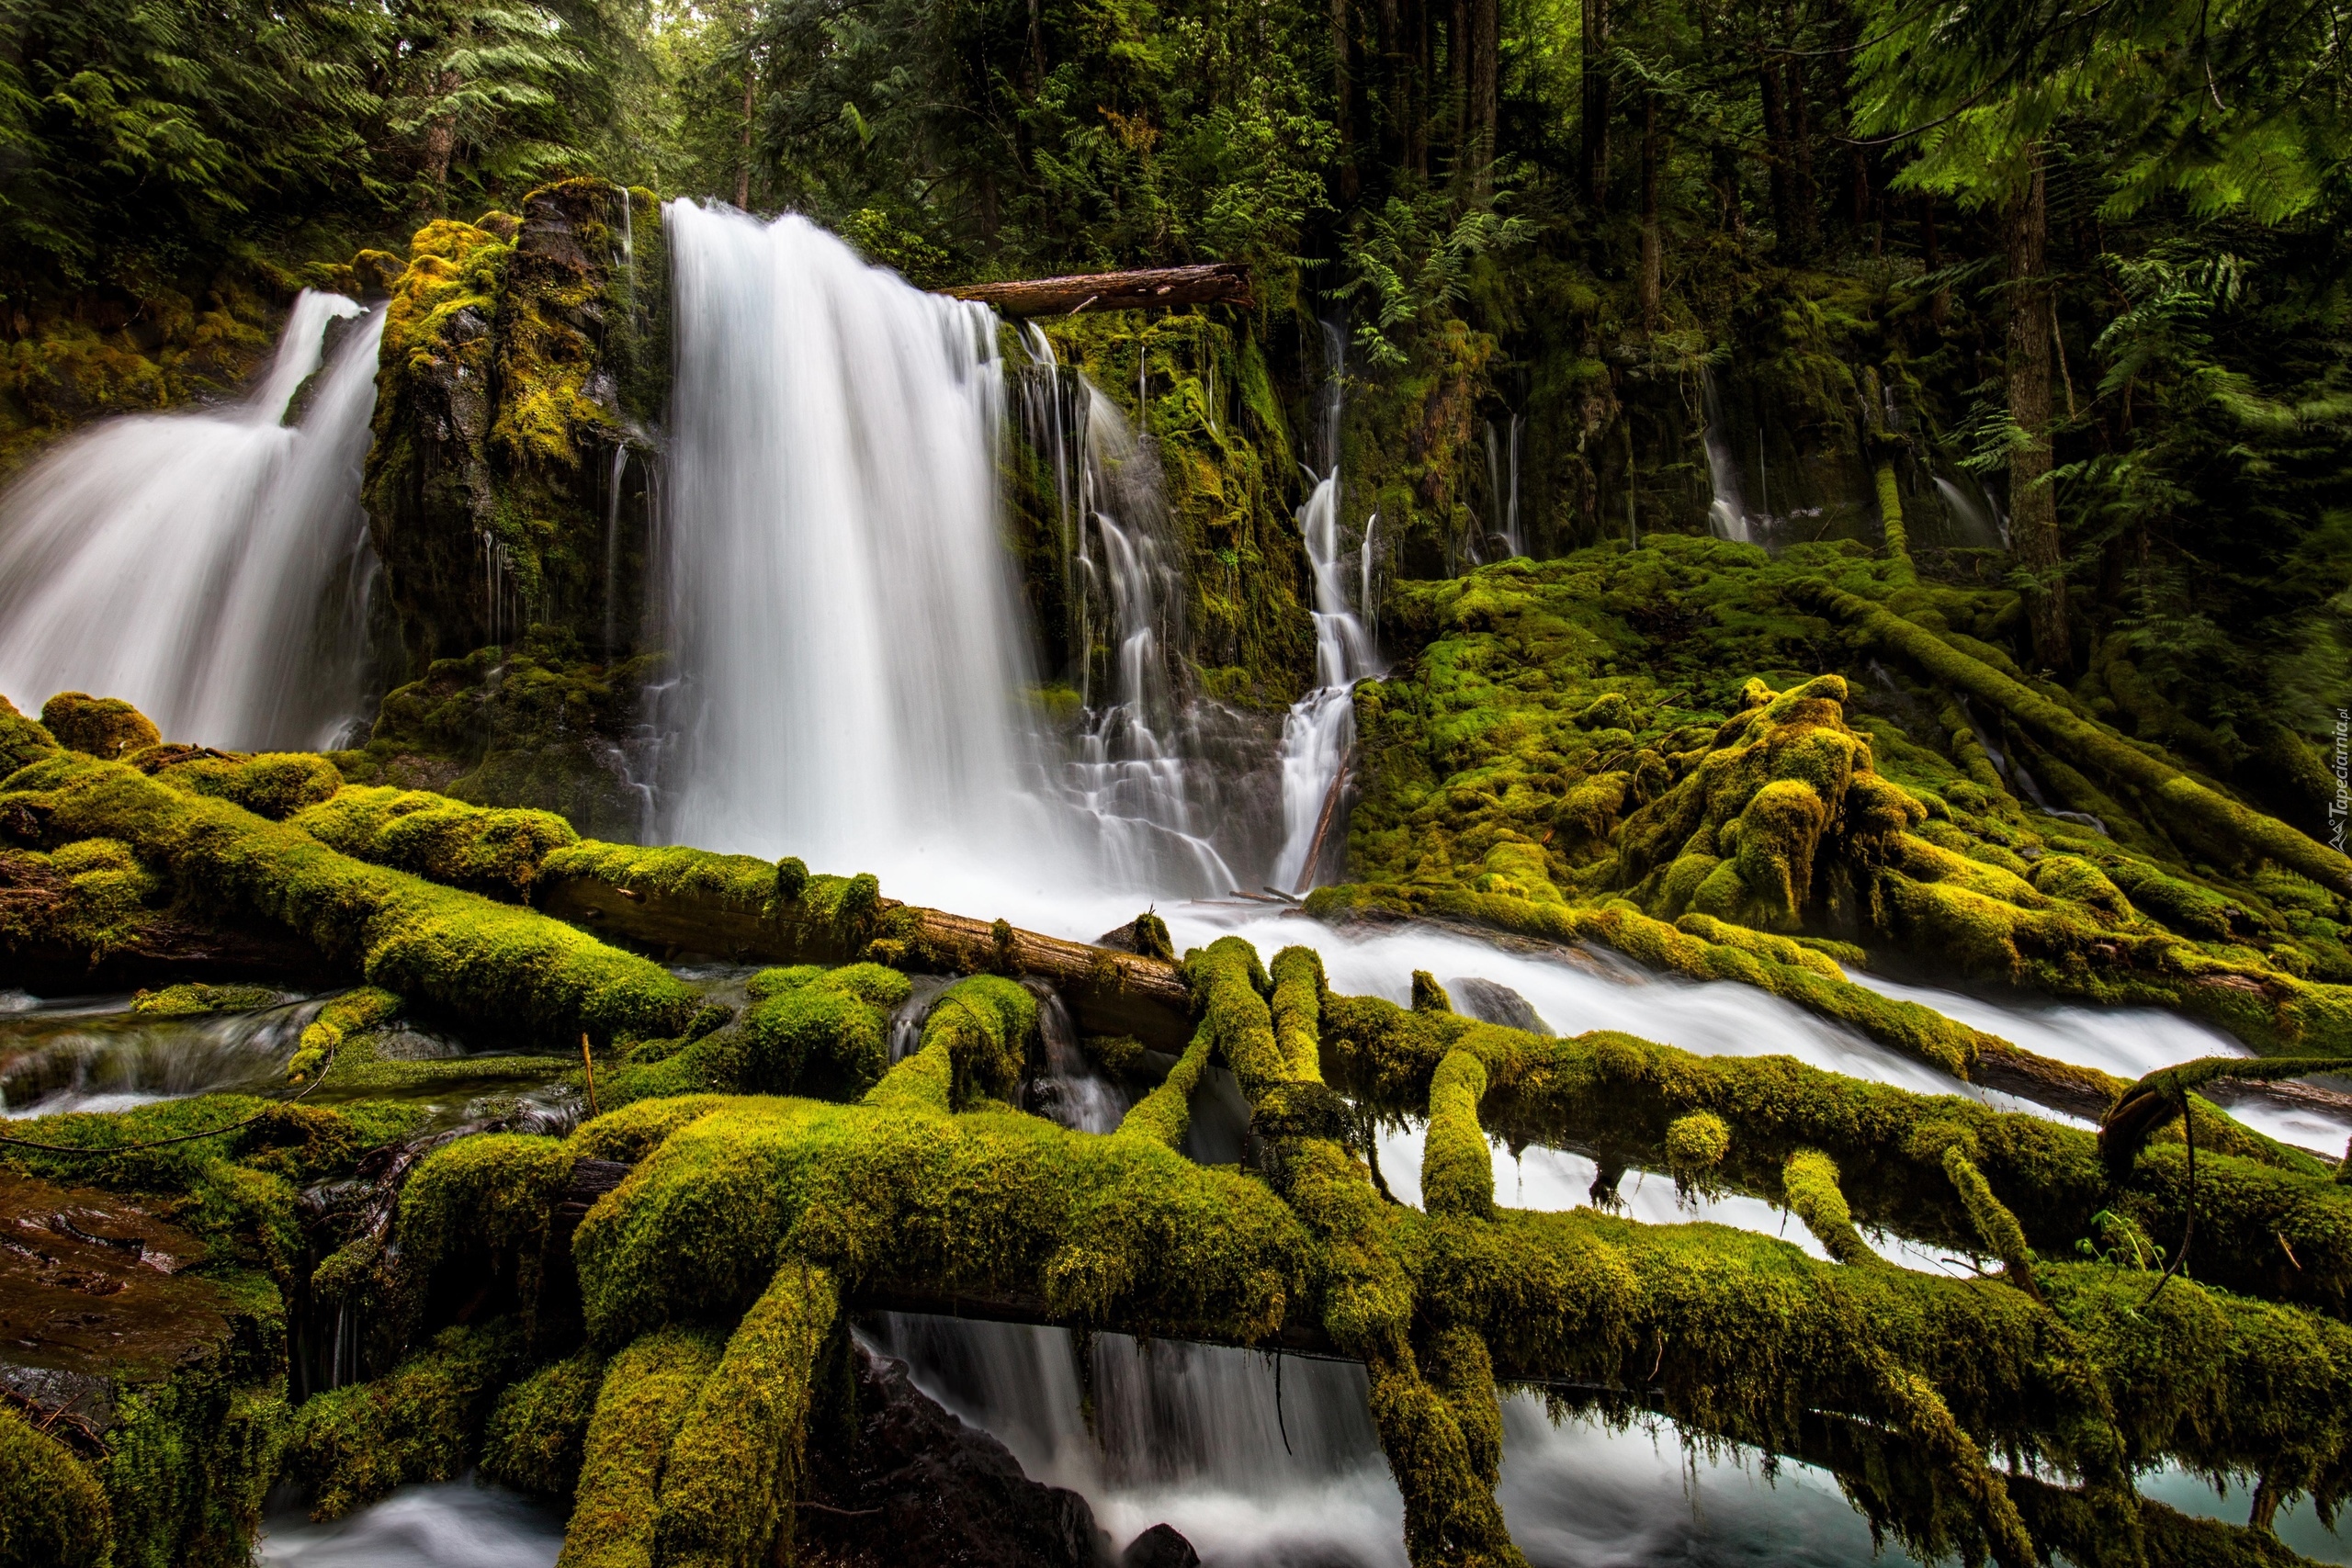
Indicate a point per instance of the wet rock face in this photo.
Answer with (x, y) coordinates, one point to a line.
(914, 1487)
(91, 1289)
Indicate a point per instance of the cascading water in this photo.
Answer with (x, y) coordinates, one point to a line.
(1321, 728)
(1726, 511)
(212, 568)
(1974, 521)
(1502, 483)
(1130, 777)
(841, 608)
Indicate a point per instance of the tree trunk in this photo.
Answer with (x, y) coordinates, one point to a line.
(1653, 285)
(1486, 93)
(1457, 70)
(1343, 94)
(743, 157)
(441, 143)
(1780, 161)
(2033, 507)
(1804, 190)
(1595, 106)
(1938, 308)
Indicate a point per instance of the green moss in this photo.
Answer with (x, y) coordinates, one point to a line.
(22, 741)
(484, 1202)
(1810, 1181)
(538, 1430)
(342, 1018)
(493, 852)
(419, 1422)
(437, 946)
(275, 785)
(975, 1042)
(2199, 808)
(97, 727)
(1696, 1145)
(808, 1031)
(735, 1468)
(53, 1513)
(650, 1390)
(195, 1000)
(1457, 1173)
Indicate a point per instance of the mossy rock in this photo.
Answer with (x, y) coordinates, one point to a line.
(97, 727)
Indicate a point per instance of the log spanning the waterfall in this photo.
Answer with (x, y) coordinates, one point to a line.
(1107, 991)
(1153, 288)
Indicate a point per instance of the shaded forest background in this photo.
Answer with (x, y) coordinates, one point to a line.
(2087, 254)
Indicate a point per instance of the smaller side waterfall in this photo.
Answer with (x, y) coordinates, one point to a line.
(1974, 521)
(1129, 779)
(1502, 483)
(1726, 511)
(1321, 728)
(209, 567)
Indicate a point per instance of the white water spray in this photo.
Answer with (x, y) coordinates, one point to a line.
(209, 568)
(840, 606)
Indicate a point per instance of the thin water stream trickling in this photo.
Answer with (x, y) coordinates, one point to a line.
(212, 566)
(1726, 511)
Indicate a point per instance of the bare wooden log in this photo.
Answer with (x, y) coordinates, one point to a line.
(1153, 288)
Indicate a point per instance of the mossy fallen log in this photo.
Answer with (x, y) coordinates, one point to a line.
(441, 948)
(734, 906)
(2085, 744)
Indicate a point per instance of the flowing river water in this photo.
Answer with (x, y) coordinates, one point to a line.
(852, 662)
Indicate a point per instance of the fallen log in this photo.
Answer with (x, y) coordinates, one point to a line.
(1108, 992)
(1152, 288)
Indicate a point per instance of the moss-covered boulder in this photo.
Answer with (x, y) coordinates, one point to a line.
(520, 352)
(97, 727)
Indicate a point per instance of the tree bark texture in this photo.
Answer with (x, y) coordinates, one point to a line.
(1652, 284)
(1595, 106)
(2034, 510)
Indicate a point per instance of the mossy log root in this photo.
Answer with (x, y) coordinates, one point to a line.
(2086, 745)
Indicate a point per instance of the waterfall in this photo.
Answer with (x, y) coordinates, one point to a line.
(1726, 511)
(1249, 1464)
(1972, 522)
(209, 567)
(1130, 778)
(840, 606)
(1321, 728)
(1502, 483)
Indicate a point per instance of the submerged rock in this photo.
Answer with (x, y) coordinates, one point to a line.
(915, 1487)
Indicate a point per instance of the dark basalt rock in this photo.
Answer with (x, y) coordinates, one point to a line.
(1159, 1547)
(914, 1487)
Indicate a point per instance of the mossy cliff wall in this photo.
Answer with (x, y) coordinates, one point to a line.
(521, 352)
(1216, 441)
